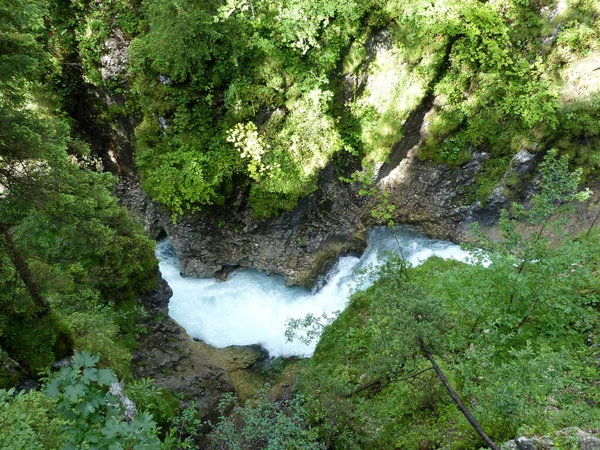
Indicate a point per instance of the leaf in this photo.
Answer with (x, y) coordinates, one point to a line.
(90, 374)
(51, 389)
(85, 359)
(74, 392)
(106, 377)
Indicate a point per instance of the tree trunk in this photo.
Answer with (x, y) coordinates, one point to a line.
(42, 305)
(455, 397)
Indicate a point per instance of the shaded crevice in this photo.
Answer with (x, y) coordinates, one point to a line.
(411, 130)
(162, 234)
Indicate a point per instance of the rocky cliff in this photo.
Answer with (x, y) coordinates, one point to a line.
(440, 199)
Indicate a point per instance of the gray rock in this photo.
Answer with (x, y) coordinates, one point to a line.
(159, 296)
(587, 441)
(184, 367)
(525, 443)
(151, 215)
(299, 245)
(425, 194)
(65, 362)
(115, 56)
(522, 162)
(510, 445)
(534, 443)
(488, 214)
(129, 408)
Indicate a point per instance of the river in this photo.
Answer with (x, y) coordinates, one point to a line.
(253, 308)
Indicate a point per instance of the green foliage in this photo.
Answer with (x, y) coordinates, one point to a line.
(247, 60)
(185, 429)
(93, 415)
(21, 54)
(510, 330)
(66, 242)
(28, 421)
(159, 403)
(96, 330)
(488, 179)
(216, 82)
(509, 93)
(308, 328)
(263, 424)
(74, 410)
(36, 342)
(559, 189)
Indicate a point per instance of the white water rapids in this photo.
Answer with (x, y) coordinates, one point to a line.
(253, 308)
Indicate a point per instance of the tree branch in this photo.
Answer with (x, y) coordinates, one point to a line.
(24, 272)
(455, 396)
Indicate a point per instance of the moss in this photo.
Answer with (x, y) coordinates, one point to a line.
(36, 343)
(487, 179)
(10, 371)
(166, 406)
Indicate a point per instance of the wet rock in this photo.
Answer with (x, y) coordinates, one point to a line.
(239, 357)
(175, 362)
(184, 367)
(150, 214)
(298, 245)
(223, 274)
(239, 362)
(190, 368)
(159, 296)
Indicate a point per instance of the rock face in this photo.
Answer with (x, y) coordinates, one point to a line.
(488, 215)
(587, 441)
(534, 443)
(115, 56)
(304, 243)
(299, 245)
(193, 370)
(426, 195)
(175, 362)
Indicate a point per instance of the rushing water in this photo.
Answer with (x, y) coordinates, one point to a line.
(253, 308)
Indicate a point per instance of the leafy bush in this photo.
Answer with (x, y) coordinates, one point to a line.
(93, 415)
(510, 331)
(28, 421)
(75, 410)
(263, 424)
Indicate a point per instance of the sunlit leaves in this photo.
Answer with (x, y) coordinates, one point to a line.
(248, 58)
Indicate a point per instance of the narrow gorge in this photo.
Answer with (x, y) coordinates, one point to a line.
(248, 224)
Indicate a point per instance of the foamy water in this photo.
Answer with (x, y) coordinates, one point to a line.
(253, 308)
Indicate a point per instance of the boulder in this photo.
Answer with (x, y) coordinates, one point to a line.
(534, 443)
(587, 441)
